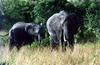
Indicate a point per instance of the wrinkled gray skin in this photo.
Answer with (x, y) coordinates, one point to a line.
(62, 27)
(22, 34)
(54, 26)
(40, 32)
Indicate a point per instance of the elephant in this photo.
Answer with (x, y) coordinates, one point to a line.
(54, 26)
(62, 27)
(23, 33)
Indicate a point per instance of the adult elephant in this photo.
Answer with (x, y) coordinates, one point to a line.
(54, 26)
(62, 27)
(23, 33)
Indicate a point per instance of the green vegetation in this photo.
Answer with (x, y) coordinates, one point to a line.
(40, 10)
(3, 39)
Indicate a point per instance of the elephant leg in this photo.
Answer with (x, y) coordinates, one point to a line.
(18, 45)
(54, 42)
(59, 39)
(11, 44)
(64, 39)
(64, 43)
(36, 38)
(71, 41)
(39, 38)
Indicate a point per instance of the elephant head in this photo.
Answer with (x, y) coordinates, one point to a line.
(29, 28)
(37, 30)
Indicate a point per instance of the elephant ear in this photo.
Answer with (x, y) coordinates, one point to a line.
(29, 28)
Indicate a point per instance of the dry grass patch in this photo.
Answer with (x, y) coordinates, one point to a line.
(83, 54)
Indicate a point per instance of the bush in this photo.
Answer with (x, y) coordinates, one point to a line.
(18, 10)
(43, 9)
(45, 42)
(3, 40)
(90, 31)
(40, 10)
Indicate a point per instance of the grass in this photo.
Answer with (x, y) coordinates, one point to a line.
(3, 38)
(83, 54)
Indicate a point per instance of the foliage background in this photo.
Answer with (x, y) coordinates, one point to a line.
(40, 10)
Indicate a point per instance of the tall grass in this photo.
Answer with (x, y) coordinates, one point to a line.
(83, 54)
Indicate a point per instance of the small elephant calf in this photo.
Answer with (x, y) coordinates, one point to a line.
(24, 33)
